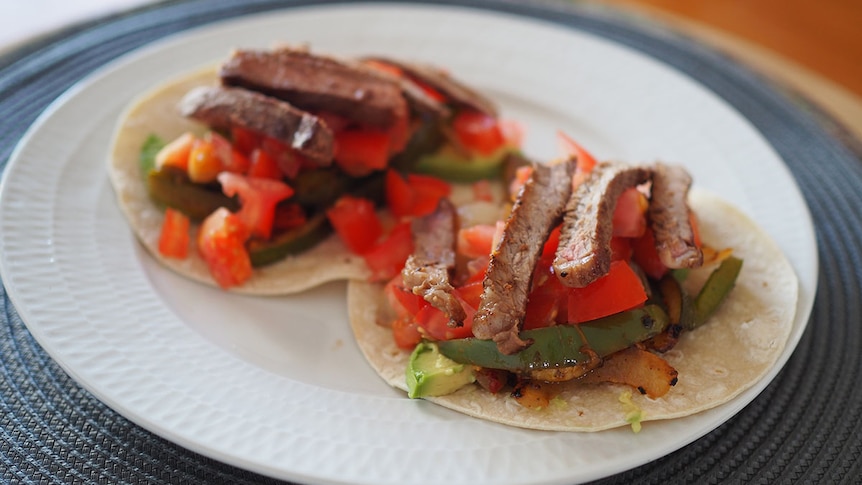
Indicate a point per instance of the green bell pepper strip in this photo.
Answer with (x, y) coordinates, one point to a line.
(171, 187)
(295, 241)
(562, 345)
(715, 290)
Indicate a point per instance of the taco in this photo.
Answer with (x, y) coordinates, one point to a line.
(648, 301)
(230, 175)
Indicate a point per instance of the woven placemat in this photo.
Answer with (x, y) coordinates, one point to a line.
(805, 427)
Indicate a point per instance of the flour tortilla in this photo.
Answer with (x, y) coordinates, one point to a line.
(716, 362)
(156, 113)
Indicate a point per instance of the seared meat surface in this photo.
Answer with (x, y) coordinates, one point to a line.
(536, 212)
(427, 270)
(319, 84)
(584, 253)
(223, 107)
(669, 218)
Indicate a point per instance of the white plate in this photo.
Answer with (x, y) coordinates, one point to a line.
(276, 385)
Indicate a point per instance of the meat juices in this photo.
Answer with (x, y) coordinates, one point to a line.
(584, 253)
(507, 282)
(426, 272)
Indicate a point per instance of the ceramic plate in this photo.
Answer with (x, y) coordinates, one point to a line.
(277, 385)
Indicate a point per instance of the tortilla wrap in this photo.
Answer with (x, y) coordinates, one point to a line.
(156, 113)
(716, 362)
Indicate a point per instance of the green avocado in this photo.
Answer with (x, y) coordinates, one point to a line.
(430, 373)
(450, 165)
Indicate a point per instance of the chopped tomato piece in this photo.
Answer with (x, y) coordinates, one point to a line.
(549, 250)
(546, 304)
(483, 191)
(402, 300)
(174, 237)
(231, 158)
(245, 140)
(644, 253)
(513, 132)
(258, 198)
(476, 241)
(387, 257)
(203, 165)
(522, 174)
(415, 195)
(356, 223)
(436, 325)
(629, 219)
(359, 152)
(586, 161)
(621, 248)
(406, 332)
(176, 153)
(288, 160)
(263, 165)
(478, 132)
(221, 243)
(621, 289)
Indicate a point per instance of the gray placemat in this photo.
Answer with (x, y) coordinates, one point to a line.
(805, 427)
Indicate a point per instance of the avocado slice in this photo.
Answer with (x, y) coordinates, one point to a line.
(430, 373)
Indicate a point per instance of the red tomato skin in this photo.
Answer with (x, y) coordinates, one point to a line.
(221, 244)
(356, 222)
(476, 241)
(569, 146)
(258, 198)
(644, 253)
(620, 290)
(386, 258)
(231, 158)
(174, 237)
(359, 152)
(176, 153)
(406, 332)
(415, 195)
(399, 197)
(262, 165)
(244, 140)
(478, 132)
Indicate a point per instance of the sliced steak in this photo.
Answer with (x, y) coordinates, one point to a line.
(584, 253)
(669, 218)
(426, 272)
(318, 84)
(222, 107)
(440, 80)
(537, 210)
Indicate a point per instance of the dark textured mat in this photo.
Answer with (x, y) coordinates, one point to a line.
(805, 427)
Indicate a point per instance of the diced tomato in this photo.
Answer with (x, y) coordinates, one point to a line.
(262, 165)
(402, 300)
(174, 237)
(547, 303)
(629, 219)
(232, 159)
(387, 257)
(203, 165)
(288, 160)
(470, 294)
(568, 146)
(621, 289)
(384, 67)
(406, 332)
(176, 153)
(288, 215)
(644, 253)
(334, 122)
(549, 250)
(522, 175)
(476, 269)
(258, 198)
(399, 133)
(245, 140)
(478, 132)
(359, 152)
(476, 241)
(356, 223)
(221, 243)
(621, 248)
(435, 324)
(415, 195)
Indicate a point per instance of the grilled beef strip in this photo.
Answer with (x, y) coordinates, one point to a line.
(537, 210)
(455, 91)
(584, 253)
(222, 107)
(426, 272)
(318, 84)
(669, 217)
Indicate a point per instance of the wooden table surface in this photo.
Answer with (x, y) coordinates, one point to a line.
(813, 47)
